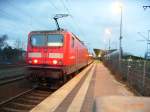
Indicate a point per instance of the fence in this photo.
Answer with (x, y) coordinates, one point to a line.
(136, 73)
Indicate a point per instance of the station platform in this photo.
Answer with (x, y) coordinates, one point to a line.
(95, 89)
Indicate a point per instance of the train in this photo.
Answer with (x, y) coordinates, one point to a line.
(124, 55)
(55, 54)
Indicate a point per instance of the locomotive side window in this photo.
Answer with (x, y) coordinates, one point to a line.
(55, 40)
(38, 40)
(72, 43)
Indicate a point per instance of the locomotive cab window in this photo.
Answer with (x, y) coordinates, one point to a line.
(55, 40)
(46, 40)
(38, 40)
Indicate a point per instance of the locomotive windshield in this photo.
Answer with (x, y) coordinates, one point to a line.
(47, 40)
(55, 40)
(38, 40)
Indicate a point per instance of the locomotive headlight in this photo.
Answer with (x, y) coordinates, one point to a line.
(35, 61)
(55, 62)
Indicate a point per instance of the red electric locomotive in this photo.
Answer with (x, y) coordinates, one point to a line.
(55, 54)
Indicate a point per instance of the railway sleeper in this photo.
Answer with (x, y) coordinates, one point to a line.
(38, 94)
(27, 101)
(41, 91)
(27, 106)
(7, 109)
(19, 106)
(32, 97)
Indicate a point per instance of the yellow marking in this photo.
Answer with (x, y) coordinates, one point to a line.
(135, 106)
(77, 102)
(51, 103)
(118, 83)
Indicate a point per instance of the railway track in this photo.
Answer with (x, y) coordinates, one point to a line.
(26, 100)
(11, 79)
(5, 66)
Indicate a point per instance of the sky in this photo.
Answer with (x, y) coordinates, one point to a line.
(88, 20)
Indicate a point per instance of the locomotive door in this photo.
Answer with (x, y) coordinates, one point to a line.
(76, 53)
(45, 55)
(44, 51)
(76, 57)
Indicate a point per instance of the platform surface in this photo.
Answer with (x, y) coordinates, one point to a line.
(92, 91)
(122, 104)
(107, 85)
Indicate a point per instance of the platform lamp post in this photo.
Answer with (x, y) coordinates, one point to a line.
(119, 8)
(120, 38)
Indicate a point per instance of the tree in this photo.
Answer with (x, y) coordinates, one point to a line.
(8, 52)
(3, 42)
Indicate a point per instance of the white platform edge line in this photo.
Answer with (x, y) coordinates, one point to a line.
(51, 103)
(78, 100)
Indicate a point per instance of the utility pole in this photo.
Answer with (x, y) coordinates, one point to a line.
(119, 7)
(147, 55)
(120, 38)
(109, 45)
(147, 39)
(108, 33)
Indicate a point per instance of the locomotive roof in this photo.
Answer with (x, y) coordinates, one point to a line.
(47, 31)
(78, 39)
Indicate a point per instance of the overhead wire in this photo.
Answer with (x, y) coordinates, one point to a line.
(8, 15)
(67, 10)
(76, 23)
(72, 17)
(11, 25)
(8, 27)
(58, 10)
(53, 5)
(12, 17)
(21, 11)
